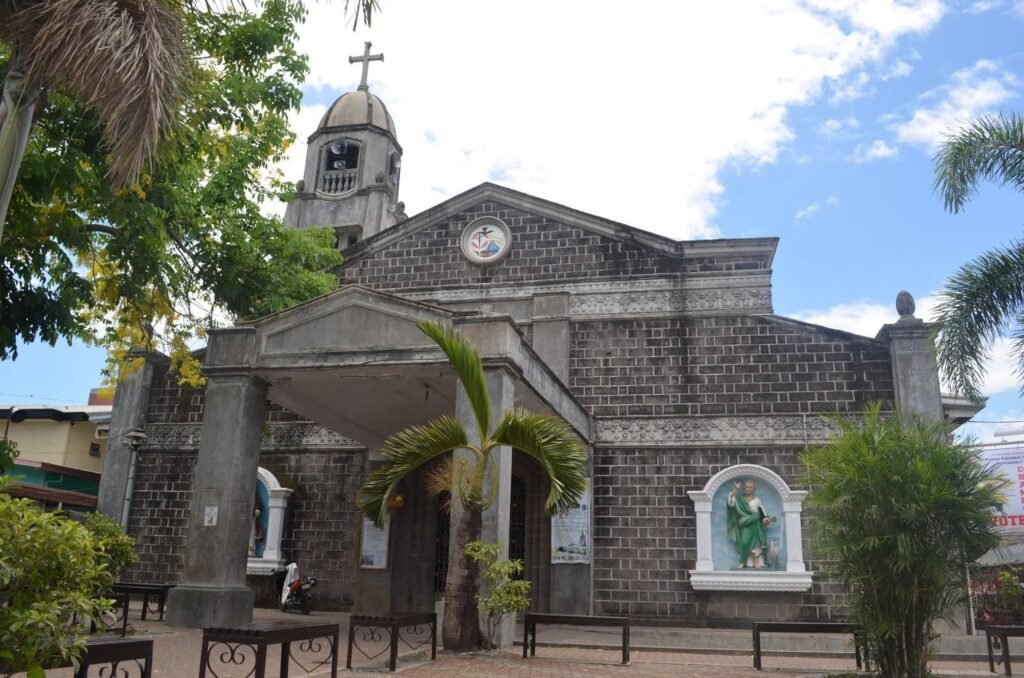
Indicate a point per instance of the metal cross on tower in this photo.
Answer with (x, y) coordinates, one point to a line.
(365, 59)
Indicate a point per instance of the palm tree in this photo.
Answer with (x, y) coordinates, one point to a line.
(548, 439)
(123, 59)
(986, 296)
(900, 513)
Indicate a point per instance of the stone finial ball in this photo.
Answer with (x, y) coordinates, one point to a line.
(905, 304)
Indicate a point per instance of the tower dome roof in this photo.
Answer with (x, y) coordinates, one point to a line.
(358, 108)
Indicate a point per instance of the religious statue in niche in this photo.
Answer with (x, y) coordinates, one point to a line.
(256, 531)
(748, 533)
(747, 524)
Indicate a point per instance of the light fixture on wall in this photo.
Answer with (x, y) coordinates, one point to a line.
(134, 438)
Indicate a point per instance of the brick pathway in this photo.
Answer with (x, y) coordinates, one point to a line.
(176, 655)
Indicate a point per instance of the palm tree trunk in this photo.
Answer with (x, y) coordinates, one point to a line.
(461, 627)
(16, 107)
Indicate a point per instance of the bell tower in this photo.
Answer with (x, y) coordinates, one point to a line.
(353, 167)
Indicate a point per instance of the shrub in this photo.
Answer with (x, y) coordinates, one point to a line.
(51, 569)
(505, 594)
(118, 549)
(901, 512)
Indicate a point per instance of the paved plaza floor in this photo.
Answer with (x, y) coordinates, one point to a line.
(574, 652)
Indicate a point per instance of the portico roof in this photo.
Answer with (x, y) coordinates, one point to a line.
(354, 361)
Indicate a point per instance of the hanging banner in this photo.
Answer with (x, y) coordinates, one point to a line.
(374, 549)
(570, 533)
(1009, 517)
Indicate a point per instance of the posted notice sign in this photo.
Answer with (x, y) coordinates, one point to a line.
(1010, 460)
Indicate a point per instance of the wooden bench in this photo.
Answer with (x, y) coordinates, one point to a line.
(158, 591)
(533, 618)
(996, 633)
(258, 635)
(860, 649)
(394, 625)
(113, 651)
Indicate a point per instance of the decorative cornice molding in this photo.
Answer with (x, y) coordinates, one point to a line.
(701, 301)
(795, 429)
(278, 437)
(744, 580)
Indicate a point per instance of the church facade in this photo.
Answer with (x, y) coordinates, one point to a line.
(665, 357)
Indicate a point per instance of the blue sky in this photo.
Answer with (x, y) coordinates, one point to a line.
(808, 120)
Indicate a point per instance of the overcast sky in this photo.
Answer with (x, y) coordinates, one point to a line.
(812, 121)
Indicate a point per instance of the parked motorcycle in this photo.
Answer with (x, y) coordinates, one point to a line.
(297, 592)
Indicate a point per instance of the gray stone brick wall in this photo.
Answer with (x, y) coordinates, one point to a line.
(645, 538)
(321, 525)
(736, 365)
(158, 518)
(173, 403)
(322, 531)
(543, 251)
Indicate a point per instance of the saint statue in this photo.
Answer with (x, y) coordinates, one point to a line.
(745, 524)
(256, 530)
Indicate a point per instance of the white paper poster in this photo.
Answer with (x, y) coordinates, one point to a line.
(1010, 460)
(570, 533)
(374, 552)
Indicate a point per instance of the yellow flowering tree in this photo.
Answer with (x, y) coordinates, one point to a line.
(186, 246)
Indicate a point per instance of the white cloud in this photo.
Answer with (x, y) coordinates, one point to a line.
(876, 150)
(970, 92)
(983, 6)
(850, 89)
(580, 102)
(835, 128)
(867, 317)
(815, 207)
(900, 69)
(810, 210)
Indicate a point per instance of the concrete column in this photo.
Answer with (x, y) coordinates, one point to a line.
(129, 413)
(501, 389)
(212, 590)
(914, 371)
(551, 332)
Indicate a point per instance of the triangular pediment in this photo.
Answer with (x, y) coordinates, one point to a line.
(488, 193)
(352, 318)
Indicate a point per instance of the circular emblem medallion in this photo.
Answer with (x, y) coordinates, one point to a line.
(486, 240)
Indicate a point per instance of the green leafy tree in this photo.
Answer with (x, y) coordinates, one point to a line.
(52, 570)
(901, 512)
(504, 593)
(546, 439)
(149, 255)
(126, 61)
(985, 298)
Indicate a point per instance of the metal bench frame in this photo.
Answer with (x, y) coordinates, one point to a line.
(994, 632)
(394, 625)
(257, 636)
(531, 620)
(860, 648)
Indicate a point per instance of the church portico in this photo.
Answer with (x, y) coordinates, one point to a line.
(354, 362)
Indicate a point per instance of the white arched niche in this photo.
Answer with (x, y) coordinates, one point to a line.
(717, 566)
(267, 558)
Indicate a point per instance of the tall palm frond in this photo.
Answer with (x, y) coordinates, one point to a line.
(125, 59)
(403, 453)
(468, 368)
(983, 298)
(551, 442)
(991, 147)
